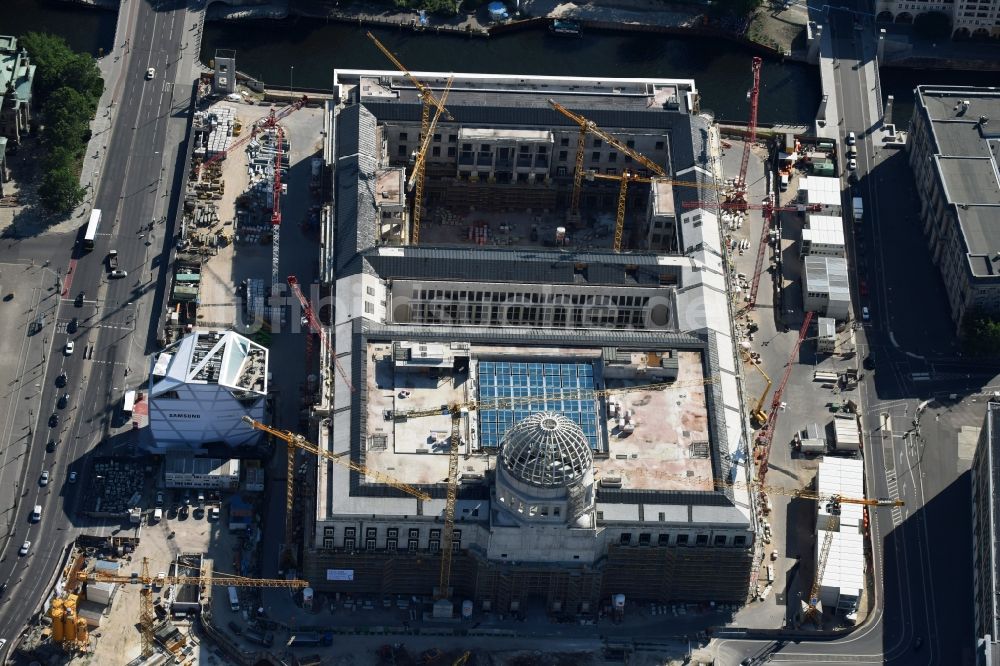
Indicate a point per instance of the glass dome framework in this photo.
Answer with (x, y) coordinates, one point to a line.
(546, 450)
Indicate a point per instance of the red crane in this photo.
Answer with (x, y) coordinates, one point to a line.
(767, 432)
(315, 327)
(768, 210)
(753, 95)
(270, 120)
(279, 137)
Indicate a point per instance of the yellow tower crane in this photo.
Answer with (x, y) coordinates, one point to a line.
(589, 126)
(458, 410)
(296, 441)
(632, 177)
(811, 610)
(143, 578)
(429, 100)
(833, 501)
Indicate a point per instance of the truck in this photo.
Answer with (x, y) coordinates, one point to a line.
(310, 639)
(859, 209)
(112, 260)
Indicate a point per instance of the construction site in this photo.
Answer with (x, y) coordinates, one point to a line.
(533, 383)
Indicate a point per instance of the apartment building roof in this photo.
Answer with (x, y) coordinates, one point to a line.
(964, 136)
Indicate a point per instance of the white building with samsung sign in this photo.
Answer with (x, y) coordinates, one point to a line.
(202, 386)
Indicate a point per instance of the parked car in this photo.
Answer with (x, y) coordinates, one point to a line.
(865, 314)
(852, 164)
(159, 499)
(851, 138)
(72, 477)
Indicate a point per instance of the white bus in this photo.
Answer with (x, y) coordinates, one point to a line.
(91, 233)
(129, 403)
(234, 600)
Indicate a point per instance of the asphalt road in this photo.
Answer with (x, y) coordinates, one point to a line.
(115, 327)
(922, 612)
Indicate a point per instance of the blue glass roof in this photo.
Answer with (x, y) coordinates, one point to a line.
(558, 387)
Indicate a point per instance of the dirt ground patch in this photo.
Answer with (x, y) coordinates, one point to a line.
(779, 28)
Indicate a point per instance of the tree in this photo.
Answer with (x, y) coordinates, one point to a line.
(67, 88)
(981, 334)
(60, 190)
(65, 126)
(932, 26)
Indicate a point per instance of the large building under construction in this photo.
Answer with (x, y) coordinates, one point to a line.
(602, 425)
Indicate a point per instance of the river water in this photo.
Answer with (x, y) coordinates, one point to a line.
(303, 53)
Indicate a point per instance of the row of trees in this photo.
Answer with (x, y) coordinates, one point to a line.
(67, 89)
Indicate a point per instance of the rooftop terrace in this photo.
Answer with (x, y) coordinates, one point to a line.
(663, 444)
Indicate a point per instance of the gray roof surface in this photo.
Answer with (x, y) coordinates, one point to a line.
(981, 226)
(482, 264)
(538, 116)
(354, 192)
(967, 164)
(970, 180)
(960, 138)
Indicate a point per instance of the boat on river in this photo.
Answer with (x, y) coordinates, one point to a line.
(560, 27)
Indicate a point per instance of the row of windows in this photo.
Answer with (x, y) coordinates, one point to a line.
(391, 542)
(529, 297)
(665, 539)
(563, 141)
(496, 315)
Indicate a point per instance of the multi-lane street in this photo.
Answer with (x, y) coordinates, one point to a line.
(921, 609)
(112, 328)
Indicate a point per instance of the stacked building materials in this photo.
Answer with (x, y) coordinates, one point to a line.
(113, 485)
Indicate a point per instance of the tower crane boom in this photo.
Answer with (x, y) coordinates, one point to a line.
(270, 120)
(300, 442)
(589, 126)
(753, 95)
(146, 580)
(767, 432)
(428, 100)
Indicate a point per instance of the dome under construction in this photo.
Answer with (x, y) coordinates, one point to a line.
(546, 450)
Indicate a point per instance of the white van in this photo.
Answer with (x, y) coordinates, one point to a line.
(157, 515)
(36, 513)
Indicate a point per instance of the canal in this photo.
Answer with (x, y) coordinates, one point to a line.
(303, 53)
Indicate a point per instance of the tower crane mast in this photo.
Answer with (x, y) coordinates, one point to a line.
(589, 126)
(314, 325)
